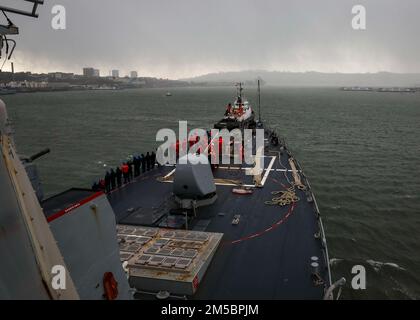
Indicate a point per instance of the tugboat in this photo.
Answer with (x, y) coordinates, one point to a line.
(239, 115)
(176, 231)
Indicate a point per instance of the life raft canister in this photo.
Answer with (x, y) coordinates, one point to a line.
(110, 286)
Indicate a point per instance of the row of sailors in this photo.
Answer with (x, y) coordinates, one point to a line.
(140, 164)
(126, 172)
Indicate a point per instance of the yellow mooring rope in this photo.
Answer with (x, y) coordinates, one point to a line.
(287, 197)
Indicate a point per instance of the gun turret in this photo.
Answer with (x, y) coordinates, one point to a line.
(39, 154)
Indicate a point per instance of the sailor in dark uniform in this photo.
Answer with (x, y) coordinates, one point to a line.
(118, 175)
(153, 159)
(147, 161)
(113, 179)
(130, 170)
(143, 163)
(136, 162)
(95, 186)
(107, 182)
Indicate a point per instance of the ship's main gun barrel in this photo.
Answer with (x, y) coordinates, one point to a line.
(39, 154)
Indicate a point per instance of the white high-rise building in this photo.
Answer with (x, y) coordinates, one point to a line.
(115, 73)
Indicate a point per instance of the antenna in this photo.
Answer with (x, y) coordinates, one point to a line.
(32, 13)
(11, 29)
(240, 89)
(259, 101)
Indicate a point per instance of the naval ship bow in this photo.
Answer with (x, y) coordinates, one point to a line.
(202, 231)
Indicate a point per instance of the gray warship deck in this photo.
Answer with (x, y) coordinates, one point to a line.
(266, 255)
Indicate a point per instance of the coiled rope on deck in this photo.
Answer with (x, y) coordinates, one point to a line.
(286, 197)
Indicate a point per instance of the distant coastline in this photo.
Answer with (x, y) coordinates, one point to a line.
(27, 82)
(307, 79)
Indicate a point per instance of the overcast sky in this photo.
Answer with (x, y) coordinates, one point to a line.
(183, 38)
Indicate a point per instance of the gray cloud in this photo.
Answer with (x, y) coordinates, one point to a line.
(181, 38)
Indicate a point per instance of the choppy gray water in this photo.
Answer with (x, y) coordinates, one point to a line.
(360, 151)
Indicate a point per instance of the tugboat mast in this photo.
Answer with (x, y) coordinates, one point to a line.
(259, 101)
(239, 85)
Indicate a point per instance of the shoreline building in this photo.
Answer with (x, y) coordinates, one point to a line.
(91, 72)
(115, 73)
